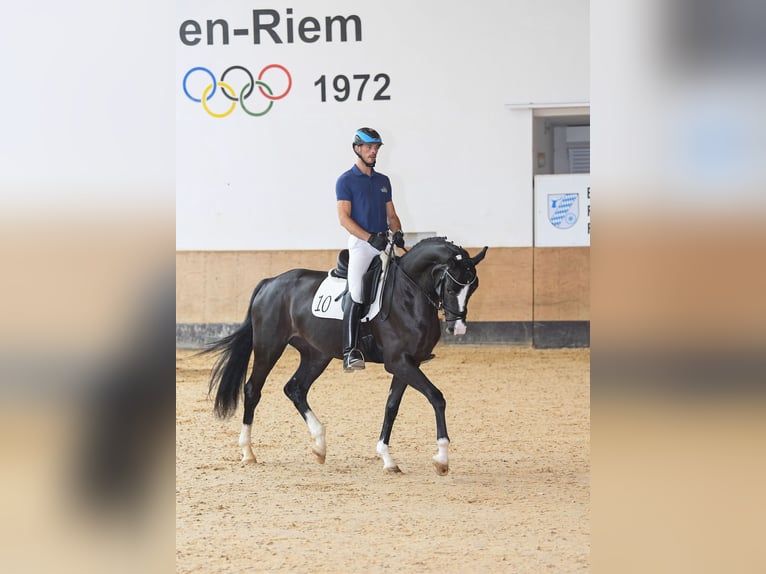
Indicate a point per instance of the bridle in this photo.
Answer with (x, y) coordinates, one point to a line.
(440, 285)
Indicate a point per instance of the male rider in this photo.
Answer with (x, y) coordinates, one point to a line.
(366, 211)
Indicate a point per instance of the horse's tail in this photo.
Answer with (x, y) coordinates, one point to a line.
(230, 370)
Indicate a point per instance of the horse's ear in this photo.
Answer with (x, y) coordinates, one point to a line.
(479, 256)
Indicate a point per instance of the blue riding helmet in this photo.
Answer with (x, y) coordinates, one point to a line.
(366, 135)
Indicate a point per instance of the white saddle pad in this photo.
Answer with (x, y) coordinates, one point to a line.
(327, 300)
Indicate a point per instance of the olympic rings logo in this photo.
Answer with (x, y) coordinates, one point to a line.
(235, 95)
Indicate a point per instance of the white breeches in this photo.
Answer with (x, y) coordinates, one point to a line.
(360, 254)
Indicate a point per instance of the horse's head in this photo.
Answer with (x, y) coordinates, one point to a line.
(455, 281)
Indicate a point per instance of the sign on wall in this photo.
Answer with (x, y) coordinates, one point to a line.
(562, 210)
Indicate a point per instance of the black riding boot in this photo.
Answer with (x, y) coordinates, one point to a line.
(352, 357)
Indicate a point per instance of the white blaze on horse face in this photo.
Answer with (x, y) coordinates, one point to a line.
(462, 299)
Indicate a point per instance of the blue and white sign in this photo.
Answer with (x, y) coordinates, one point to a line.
(562, 210)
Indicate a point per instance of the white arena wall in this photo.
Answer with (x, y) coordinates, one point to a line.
(453, 88)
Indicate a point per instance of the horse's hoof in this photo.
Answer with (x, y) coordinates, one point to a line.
(441, 469)
(248, 460)
(393, 470)
(319, 456)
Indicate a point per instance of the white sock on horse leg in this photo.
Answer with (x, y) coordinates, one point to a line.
(317, 431)
(383, 453)
(442, 457)
(244, 443)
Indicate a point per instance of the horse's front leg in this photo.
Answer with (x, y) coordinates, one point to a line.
(441, 458)
(395, 394)
(417, 380)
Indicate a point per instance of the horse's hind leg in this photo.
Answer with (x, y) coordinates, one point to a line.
(395, 394)
(313, 363)
(263, 362)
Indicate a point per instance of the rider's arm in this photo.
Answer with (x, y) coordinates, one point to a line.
(344, 216)
(393, 220)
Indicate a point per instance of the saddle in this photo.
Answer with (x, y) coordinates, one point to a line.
(370, 279)
(327, 300)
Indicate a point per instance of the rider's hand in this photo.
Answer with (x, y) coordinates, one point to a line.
(398, 239)
(379, 242)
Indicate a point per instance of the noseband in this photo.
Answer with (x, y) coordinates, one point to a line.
(441, 285)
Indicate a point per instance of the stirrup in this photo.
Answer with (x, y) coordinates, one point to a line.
(353, 361)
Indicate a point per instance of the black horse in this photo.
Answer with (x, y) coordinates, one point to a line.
(435, 274)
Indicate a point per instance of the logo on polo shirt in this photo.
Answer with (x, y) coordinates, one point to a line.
(384, 190)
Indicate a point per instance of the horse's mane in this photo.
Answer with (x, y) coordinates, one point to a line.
(431, 240)
(441, 241)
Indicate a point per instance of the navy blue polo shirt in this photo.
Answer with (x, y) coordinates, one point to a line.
(368, 197)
